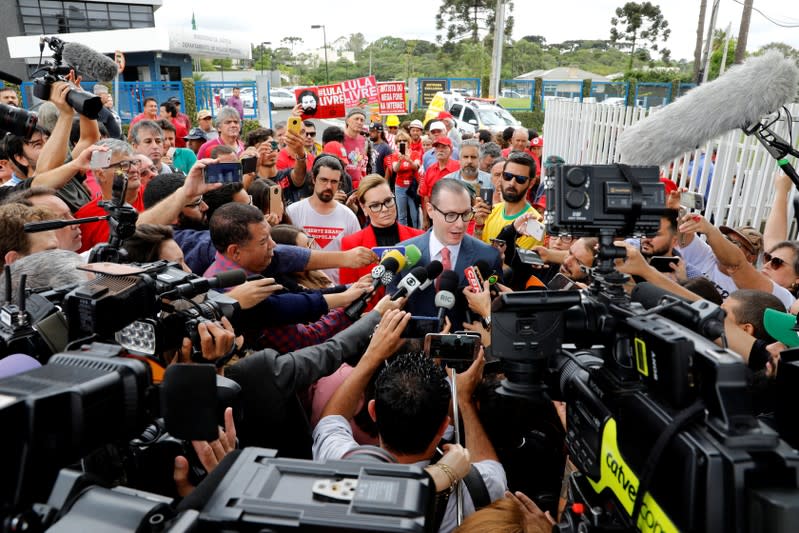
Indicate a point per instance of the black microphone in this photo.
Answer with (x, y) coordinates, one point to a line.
(704, 317)
(739, 98)
(88, 63)
(382, 274)
(35, 227)
(410, 283)
(434, 268)
(445, 297)
(197, 286)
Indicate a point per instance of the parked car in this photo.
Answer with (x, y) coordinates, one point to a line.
(507, 93)
(281, 98)
(471, 114)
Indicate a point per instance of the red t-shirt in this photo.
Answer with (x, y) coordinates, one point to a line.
(286, 160)
(97, 232)
(434, 173)
(406, 173)
(180, 132)
(356, 154)
(205, 149)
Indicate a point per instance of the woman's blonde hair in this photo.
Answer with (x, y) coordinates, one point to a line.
(369, 182)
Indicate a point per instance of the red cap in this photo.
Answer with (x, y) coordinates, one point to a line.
(537, 142)
(670, 185)
(444, 114)
(337, 149)
(446, 141)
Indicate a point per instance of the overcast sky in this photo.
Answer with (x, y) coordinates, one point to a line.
(556, 20)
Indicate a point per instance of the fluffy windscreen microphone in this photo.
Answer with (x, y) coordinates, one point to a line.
(740, 97)
(88, 63)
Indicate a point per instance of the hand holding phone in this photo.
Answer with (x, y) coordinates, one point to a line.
(100, 159)
(663, 263)
(692, 200)
(222, 173)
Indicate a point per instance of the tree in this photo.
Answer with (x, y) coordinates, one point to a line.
(466, 17)
(356, 43)
(638, 24)
(291, 42)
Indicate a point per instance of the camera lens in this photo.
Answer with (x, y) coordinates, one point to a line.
(17, 121)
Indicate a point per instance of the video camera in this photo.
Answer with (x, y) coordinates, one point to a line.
(85, 103)
(658, 416)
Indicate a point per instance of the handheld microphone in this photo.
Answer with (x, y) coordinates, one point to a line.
(434, 269)
(473, 278)
(704, 317)
(382, 274)
(88, 63)
(197, 286)
(485, 271)
(740, 97)
(410, 283)
(445, 297)
(412, 255)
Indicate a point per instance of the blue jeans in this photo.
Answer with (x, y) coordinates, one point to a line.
(403, 203)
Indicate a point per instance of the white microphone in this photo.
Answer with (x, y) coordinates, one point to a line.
(739, 98)
(88, 63)
(445, 297)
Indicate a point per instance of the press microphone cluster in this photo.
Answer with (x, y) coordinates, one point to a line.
(382, 274)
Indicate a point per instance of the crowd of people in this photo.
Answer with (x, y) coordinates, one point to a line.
(304, 224)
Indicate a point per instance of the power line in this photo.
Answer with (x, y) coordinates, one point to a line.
(780, 24)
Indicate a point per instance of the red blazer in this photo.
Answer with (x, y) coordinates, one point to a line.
(366, 237)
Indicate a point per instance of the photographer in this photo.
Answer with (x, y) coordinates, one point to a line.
(411, 403)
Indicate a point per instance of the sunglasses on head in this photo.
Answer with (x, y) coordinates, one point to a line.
(508, 176)
(776, 262)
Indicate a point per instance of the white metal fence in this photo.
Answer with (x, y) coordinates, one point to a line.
(741, 189)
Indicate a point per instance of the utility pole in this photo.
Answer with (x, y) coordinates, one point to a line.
(727, 33)
(709, 42)
(496, 56)
(700, 30)
(743, 32)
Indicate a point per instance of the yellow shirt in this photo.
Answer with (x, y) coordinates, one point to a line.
(498, 220)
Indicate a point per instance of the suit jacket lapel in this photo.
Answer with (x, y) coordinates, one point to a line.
(466, 256)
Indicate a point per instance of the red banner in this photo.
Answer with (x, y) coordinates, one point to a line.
(325, 101)
(391, 97)
(359, 92)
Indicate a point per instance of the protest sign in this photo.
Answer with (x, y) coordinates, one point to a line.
(391, 97)
(359, 92)
(325, 101)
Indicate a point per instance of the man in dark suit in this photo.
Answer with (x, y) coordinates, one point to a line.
(450, 210)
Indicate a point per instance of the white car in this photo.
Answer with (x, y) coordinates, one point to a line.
(474, 115)
(281, 98)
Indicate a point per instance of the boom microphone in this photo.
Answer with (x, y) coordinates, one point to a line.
(382, 274)
(88, 63)
(410, 283)
(197, 286)
(739, 98)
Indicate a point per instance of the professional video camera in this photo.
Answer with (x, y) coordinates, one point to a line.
(87, 104)
(659, 422)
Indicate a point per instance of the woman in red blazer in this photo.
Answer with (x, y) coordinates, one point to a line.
(377, 201)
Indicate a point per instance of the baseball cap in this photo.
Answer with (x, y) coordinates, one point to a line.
(446, 141)
(356, 111)
(99, 88)
(337, 149)
(437, 126)
(203, 113)
(195, 134)
(376, 126)
(781, 326)
(392, 120)
(538, 141)
(669, 185)
(416, 124)
(444, 114)
(751, 239)
(174, 99)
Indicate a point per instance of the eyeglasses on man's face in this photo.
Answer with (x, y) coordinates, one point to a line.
(452, 216)
(126, 164)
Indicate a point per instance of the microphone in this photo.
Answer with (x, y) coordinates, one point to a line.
(382, 274)
(410, 283)
(473, 278)
(434, 269)
(197, 286)
(445, 297)
(412, 255)
(47, 225)
(485, 271)
(88, 63)
(740, 97)
(704, 317)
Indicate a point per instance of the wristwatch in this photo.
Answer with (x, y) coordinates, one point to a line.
(487, 322)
